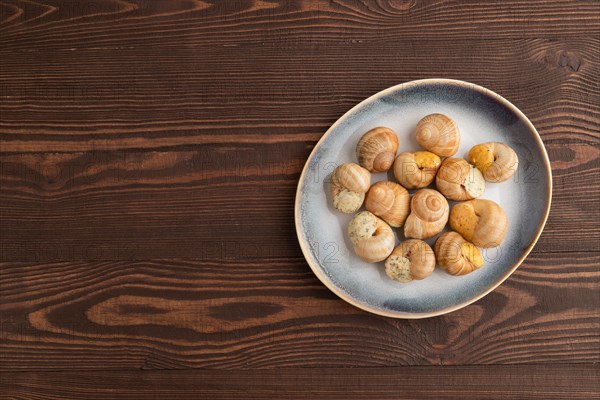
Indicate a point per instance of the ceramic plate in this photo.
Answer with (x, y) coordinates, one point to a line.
(482, 116)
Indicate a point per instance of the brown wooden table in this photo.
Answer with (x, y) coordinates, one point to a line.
(150, 152)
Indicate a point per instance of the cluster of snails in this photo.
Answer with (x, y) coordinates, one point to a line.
(475, 223)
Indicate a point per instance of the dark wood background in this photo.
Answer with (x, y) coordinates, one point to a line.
(150, 152)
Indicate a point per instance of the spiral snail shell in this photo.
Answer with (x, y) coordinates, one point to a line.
(482, 222)
(458, 180)
(412, 260)
(377, 148)
(438, 134)
(372, 238)
(349, 183)
(389, 201)
(497, 161)
(428, 214)
(457, 256)
(416, 170)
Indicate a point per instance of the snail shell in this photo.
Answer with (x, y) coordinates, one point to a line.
(373, 239)
(428, 214)
(497, 161)
(349, 183)
(377, 148)
(481, 222)
(389, 201)
(458, 180)
(416, 170)
(412, 260)
(457, 256)
(438, 134)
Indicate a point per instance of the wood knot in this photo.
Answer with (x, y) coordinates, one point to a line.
(402, 5)
(569, 60)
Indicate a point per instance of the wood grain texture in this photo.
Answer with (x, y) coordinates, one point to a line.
(543, 382)
(229, 314)
(56, 24)
(149, 156)
(164, 98)
(221, 200)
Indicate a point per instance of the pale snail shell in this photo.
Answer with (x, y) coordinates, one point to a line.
(481, 222)
(349, 183)
(416, 170)
(458, 180)
(497, 161)
(438, 134)
(413, 259)
(377, 148)
(372, 238)
(389, 201)
(456, 255)
(428, 214)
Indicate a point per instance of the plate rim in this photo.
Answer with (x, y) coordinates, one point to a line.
(418, 315)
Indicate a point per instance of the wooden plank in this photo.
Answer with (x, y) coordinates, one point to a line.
(153, 97)
(525, 382)
(216, 201)
(149, 155)
(59, 24)
(257, 313)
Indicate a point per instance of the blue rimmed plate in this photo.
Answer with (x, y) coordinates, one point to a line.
(482, 116)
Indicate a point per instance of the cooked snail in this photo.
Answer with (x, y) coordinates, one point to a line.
(458, 180)
(373, 239)
(457, 256)
(377, 148)
(389, 201)
(428, 214)
(412, 260)
(438, 134)
(349, 183)
(481, 222)
(497, 161)
(416, 170)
